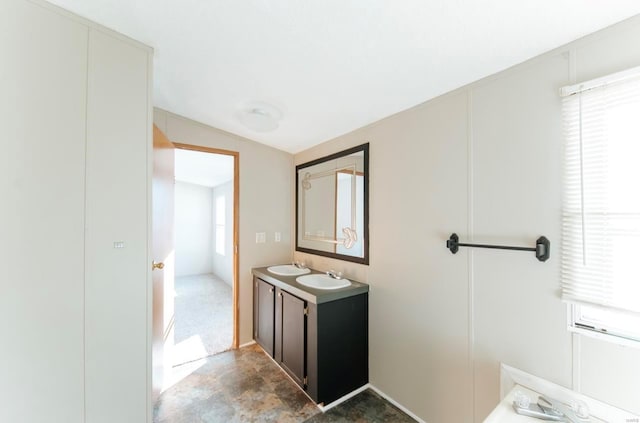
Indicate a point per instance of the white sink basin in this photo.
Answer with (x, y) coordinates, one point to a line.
(319, 281)
(287, 270)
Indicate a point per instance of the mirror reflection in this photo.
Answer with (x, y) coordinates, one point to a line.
(331, 205)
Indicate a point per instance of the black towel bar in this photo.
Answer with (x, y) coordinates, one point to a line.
(542, 248)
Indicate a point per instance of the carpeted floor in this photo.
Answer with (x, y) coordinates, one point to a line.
(245, 385)
(203, 317)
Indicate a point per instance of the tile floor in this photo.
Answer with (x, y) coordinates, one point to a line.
(245, 385)
(204, 319)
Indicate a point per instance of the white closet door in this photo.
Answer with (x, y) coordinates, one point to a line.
(43, 66)
(117, 316)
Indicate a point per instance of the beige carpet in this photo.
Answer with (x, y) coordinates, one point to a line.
(203, 317)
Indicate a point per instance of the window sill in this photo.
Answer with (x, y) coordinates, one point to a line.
(607, 337)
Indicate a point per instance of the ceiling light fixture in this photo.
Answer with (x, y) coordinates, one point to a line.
(260, 116)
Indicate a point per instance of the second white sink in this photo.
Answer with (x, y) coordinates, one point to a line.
(320, 281)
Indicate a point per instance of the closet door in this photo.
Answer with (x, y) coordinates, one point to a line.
(117, 208)
(43, 67)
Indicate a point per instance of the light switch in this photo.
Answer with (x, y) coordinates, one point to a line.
(118, 244)
(261, 237)
(278, 237)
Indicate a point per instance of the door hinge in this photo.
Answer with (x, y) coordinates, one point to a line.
(306, 311)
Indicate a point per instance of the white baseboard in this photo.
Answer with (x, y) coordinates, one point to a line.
(350, 395)
(247, 344)
(325, 408)
(397, 404)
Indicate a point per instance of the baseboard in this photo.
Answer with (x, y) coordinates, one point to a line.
(247, 344)
(325, 408)
(397, 404)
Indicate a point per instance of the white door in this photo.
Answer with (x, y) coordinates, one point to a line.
(163, 255)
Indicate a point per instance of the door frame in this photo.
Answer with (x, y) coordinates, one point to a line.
(236, 225)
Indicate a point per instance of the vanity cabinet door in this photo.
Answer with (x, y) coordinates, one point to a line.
(263, 314)
(291, 328)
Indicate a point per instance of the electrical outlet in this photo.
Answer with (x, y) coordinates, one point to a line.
(261, 237)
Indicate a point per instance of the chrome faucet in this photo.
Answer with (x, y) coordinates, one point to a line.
(299, 264)
(551, 409)
(334, 275)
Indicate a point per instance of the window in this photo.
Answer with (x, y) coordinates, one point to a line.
(220, 225)
(600, 272)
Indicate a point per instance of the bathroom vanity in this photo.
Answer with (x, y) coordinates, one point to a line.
(319, 337)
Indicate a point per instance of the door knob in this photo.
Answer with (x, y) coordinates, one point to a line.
(155, 265)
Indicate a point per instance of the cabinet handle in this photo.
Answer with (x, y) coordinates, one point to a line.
(279, 294)
(271, 290)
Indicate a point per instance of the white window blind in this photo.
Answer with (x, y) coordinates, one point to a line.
(601, 208)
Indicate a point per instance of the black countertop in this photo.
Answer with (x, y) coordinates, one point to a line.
(315, 296)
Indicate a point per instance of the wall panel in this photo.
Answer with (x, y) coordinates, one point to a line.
(42, 115)
(117, 211)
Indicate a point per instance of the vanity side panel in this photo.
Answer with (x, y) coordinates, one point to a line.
(256, 321)
(312, 352)
(343, 345)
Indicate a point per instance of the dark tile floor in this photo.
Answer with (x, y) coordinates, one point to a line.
(246, 386)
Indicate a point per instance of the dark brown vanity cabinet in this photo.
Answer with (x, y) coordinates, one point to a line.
(263, 314)
(323, 347)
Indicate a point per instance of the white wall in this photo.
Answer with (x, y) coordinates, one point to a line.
(266, 177)
(117, 284)
(223, 264)
(193, 228)
(74, 179)
(42, 214)
(485, 162)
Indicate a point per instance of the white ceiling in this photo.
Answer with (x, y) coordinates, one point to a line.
(206, 169)
(332, 66)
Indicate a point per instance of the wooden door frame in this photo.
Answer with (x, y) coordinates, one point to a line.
(236, 223)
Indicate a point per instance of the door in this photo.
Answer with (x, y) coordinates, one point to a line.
(264, 296)
(163, 258)
(290, 335)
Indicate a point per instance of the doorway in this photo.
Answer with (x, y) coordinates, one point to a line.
(204, 252)
(194, 240)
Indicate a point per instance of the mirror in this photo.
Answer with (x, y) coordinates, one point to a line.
(332, 205)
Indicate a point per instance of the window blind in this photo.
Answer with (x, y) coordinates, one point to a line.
(600, 251)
